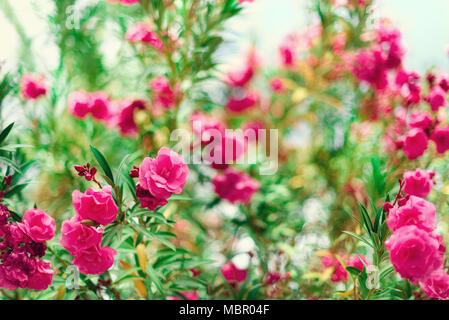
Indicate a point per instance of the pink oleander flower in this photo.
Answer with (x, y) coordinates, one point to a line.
(441, 138)
(251, 130)
(240, 78)
(79, 103)
(415, 143)
(225, 150)
(16, 269)
(414, 253)
(16, 234)
(356, 262)
(42, 277)
(128, 2)
(235, 186)
(99, 105)
(339, 273)
(273, 277)
(242, 1)
(418, 183)
(242, 101)
(125, 116)
(141, 32)
(98, 206)
(32, 87)
(77, 237)
(164, 175)
(94, 260)
(39, 226)
(162, 92)
(369, 67)
(277, 85)
(206, 127)
(420, 120)
(416, 211)
(147, 200)
(437, 285)
(188, 295)
(232, 274)
(436, 98)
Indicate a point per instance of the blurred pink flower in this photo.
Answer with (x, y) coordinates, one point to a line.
(414, 143)
(141, 32)
(441, 138)
(232, 274)
(235, 186)
(32, 87)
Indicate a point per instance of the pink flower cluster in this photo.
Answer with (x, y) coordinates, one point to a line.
(372, 65)
(32, 86)
(83, 240)
(159, 178)
(416, 252)
(22, 246)
(141, 32)
(339, 272)
(118, 114)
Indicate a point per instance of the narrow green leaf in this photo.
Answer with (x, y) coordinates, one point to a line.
(103, 163)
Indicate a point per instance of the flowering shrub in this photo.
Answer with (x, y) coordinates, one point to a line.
(159, 174)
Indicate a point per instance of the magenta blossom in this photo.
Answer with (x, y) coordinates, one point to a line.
(242, 101)
(415, 143)
(163, 175)
(188, 295)
(79, 103)
(141, 32)
(147, 200)
(416, 211)
(42, 277)
(235, 186)
(421, 120)
(437, 285)
(441, 138)
(232, 274)
(436, 98)
(94, 260)
(98, 206)
(32, 87)
(418, 183)
(414, 253)
(163, 94)
(39, 226)
(76, 236)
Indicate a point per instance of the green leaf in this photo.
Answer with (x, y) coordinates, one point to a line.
(10, 164)
(359, 238)
(354, 271)
(5, 132)
(103, 163)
